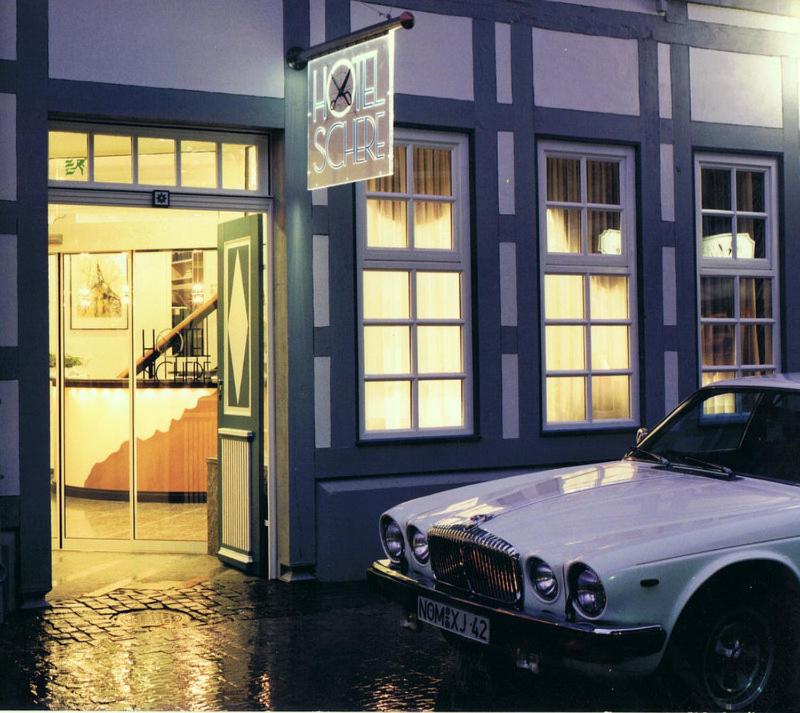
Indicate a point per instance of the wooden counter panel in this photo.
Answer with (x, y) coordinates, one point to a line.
(168, 461)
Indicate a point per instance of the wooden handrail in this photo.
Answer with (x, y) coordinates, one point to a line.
(151, 355)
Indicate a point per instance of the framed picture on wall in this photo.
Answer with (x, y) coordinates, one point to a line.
(99, 291)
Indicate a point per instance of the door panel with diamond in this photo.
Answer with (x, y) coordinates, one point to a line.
(241, 471)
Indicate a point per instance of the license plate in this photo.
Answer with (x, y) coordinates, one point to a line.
(459, 621)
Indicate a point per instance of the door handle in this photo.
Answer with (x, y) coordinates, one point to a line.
(219, 390)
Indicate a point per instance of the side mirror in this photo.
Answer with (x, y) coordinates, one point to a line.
(641, 434)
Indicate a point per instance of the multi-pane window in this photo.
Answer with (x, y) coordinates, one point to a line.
(152, 158)
(413, 297)
(587, 238)
(737, 254)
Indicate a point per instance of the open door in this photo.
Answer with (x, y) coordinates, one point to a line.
(241, 407)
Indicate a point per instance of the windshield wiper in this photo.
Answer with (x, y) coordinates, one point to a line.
(679, 459)
(637, 452)
(708, 465)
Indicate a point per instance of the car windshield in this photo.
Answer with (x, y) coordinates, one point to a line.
(743, 431)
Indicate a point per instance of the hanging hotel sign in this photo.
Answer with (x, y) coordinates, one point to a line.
(350, 113)
(351, 104)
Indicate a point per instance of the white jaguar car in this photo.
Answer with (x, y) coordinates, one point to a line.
(683, 557)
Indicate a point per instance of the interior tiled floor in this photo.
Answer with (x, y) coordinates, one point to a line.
(171, 521)
(77, 574)
(110, 520)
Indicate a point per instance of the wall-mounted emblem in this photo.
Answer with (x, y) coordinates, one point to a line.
(161, 199)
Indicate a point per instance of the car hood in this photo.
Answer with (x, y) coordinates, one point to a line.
(641, 509)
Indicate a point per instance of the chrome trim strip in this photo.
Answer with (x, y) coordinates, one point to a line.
(382, 569)
(478, 562)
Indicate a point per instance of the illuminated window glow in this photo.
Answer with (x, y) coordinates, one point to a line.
(146, 157)
(239, 167)
(113, 159)
(737, 287)
(157, 161)
(588, 263)
(68, 158)
(199, 164)
(414, 324)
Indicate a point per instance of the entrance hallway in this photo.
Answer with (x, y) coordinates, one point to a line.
(136, 386)
(93, 574)
(108, 519)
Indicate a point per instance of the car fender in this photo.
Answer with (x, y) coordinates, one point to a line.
(716, 565)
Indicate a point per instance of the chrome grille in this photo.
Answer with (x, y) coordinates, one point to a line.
(476, 562)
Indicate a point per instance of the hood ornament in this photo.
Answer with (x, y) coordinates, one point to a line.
(480, 518)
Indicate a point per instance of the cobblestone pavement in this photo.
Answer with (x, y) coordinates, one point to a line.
(251, 644)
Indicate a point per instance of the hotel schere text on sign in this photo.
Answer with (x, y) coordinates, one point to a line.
(351, 113)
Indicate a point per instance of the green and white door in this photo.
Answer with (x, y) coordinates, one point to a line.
(243, 488)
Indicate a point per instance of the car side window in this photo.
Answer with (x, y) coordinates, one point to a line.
(771, 446)
(717, 425)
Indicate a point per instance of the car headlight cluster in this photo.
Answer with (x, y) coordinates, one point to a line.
(395, 544)
(419, 544)
(588, 592)
(543, 579)
(392, 538)
(586, 588)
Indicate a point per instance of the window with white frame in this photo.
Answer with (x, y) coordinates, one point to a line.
(85, 156)
(414, 308)
(588, 289)
(736, 206)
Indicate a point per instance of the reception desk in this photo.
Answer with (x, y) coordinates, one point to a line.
(176, 431)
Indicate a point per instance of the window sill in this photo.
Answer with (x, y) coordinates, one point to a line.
(405, 440)
(586, 430)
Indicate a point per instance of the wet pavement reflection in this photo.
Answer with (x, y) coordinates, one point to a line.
(251, 644)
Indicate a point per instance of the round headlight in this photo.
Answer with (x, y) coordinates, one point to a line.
(590, 596)
(543, 578)
(392, 539)
(419, 544)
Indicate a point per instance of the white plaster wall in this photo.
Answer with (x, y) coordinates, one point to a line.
(505, 172)
(667, 182)
(510, 395)
(9, 438)
(233, 47)
(321, 278)
(572, 71)
(8, 290)
(671, 374)
(8, 29)
(8, 147)
(735, 88)
(424, 64)
(669, 287)
(152, 296)
(502, 53)
(316, 13)
(798, 107)
(322, 402)
(508, 284)
(664, 81)
(743, 18)
(105, 230)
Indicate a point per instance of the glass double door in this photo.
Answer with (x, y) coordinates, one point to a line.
(133, 375)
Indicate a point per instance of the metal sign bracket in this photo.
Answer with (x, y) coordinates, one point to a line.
(298, 58)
